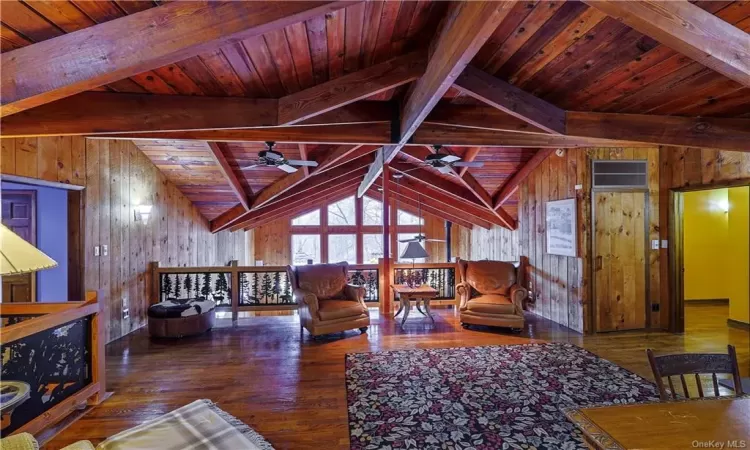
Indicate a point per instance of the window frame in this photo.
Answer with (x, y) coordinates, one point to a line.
(358, 229)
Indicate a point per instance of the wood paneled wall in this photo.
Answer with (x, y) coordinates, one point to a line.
(561, 286)
(117, 176)
(497, 244)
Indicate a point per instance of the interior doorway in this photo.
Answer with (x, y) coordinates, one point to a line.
(49, 216)
(19, 214)
(711, 259)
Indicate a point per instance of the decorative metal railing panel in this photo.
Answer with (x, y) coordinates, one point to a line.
(369, 278)
(265, 288)
(12, 319)
(441, 278)
(56, 363)
(186, 286)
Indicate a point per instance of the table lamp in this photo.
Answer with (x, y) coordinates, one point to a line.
(18, 256)
(413, 251)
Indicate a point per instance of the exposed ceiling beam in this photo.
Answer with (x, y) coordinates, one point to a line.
(470, 183)
(687, 29)
(465, 28)
(295, 199)
(217, 150)
(511, 185)
(305, 207)
(368, 133)
(707, 132)
(474, 116)
(429, 134)
(434, 196)
(79, 61)
(511, 100)
(289, 185)
(470, 155)
(442, 211)
(107, 112)
(349, 88)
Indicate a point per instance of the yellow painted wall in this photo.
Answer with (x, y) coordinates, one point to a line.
(738, 254)
(706, 225)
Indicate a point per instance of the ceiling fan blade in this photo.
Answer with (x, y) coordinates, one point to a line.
(408, 240)
(435, 240)
(274, 155)
(444, 169)
(287, 168)
(297, 162)
(450, 159)
(249, 167)
(468, 164)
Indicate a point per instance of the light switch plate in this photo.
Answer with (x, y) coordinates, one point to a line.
(579, 187)
(664, 243)
(655, 244)
(96, 250)
(105, 250)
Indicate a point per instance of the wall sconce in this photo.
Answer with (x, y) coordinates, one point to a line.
(142, 213)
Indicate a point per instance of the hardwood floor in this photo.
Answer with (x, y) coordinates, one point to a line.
(294, 393)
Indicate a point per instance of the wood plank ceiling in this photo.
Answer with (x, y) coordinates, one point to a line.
(568, 54)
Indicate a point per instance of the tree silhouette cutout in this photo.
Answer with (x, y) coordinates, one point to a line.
(177, 287)
(188, 285)
(166, 286)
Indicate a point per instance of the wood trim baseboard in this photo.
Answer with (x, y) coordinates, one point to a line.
(737, 324)
(707, 301)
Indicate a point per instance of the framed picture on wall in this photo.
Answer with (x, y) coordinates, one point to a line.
(561, 227)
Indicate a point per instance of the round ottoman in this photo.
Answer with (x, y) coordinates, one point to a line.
(180, 318)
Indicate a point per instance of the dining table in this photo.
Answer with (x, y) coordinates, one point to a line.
(722, 423)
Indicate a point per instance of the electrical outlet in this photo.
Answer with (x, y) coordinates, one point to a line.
(655, 307)
(125, 309)
(105, 250)
(664, 243)
(96, 250)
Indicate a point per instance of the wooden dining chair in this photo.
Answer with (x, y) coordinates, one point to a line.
(694, 364)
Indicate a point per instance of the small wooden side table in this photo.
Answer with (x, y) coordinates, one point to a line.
(406, 294)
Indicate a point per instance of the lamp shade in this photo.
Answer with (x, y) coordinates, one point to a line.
(18, 256)
(414, 250)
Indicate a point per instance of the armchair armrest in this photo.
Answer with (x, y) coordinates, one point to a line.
(305, 297)
(463, 289)
(518, 294)
(354, 292)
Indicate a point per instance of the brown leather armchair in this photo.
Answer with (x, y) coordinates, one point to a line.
(327, 304)
(490, 294)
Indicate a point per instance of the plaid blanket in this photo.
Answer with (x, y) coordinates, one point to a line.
(201, 425)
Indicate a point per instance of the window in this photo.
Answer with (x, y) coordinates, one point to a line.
(305, 247)
(402, 247)
(342, 212)
(311, 218)
(372, 247)
(372, 211)
(404, 218)
(342, 247)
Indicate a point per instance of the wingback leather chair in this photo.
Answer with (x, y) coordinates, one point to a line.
(327, 304)
(490, 294)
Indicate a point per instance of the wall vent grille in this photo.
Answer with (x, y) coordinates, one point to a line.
(620, 174)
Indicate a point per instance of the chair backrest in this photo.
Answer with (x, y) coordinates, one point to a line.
(488, 277)
(668, 366)
(324, 280)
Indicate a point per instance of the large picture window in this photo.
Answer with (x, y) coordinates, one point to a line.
(349, 229)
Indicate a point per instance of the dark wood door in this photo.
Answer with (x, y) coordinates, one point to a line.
(19, 214)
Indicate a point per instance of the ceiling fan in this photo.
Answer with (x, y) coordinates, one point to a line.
(272, 158)
(444, 162)
(419, 237)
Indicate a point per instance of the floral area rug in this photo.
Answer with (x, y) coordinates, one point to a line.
(481, 397)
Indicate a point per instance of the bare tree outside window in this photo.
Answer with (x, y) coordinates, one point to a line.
(372, 247)
(342, 212)
(304, 248)
(372, 211)
(311, 218)
(404, 218)
(342, 247)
